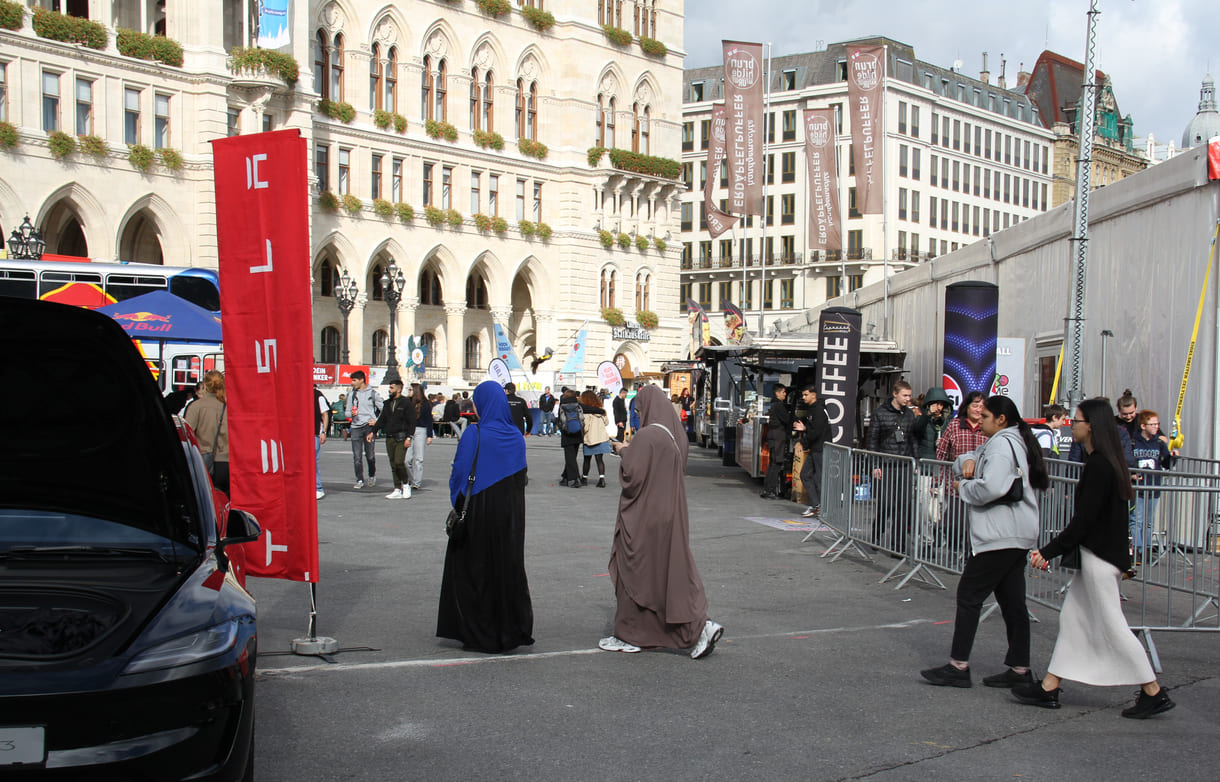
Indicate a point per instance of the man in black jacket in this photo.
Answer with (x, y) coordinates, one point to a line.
(779, 423)
(814, 428)
(546, 403)
(891, 432)
(517, 407)
(397, 420)
(620, 415)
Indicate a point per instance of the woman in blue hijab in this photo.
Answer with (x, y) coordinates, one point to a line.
(485, 599)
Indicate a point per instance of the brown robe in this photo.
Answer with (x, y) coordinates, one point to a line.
(661, 601)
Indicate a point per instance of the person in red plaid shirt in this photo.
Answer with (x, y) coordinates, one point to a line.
(962, 435)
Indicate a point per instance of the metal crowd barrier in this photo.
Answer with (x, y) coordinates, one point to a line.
(873, 502)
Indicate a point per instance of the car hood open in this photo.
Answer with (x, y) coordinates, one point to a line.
(84, 428)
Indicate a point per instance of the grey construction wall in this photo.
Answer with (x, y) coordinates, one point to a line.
(1149, 239)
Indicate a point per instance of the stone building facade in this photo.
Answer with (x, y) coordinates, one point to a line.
(403, 104)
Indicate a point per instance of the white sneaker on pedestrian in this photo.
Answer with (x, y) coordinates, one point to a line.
(612, 644)
(359, 485)
(321, 494)
(809, 512)
(394, 495)
(372, 481)
(707, 640)
(406, 492)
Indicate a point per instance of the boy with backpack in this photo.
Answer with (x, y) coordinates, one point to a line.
(571, 435)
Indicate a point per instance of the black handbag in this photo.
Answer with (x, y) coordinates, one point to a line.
(1070, 558)
(1016, 492)
(455, 522)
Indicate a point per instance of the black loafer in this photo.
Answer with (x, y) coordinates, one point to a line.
(947, 676)
(1009, 678)
(1033, 695)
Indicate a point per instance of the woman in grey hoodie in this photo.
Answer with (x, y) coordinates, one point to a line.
(1002, 530)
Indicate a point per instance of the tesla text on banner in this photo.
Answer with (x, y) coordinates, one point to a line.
(262, 233)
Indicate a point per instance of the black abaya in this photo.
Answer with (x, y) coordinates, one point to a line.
(485, 599)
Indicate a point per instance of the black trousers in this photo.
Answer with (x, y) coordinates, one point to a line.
(1001, 573)
(570, 471)
(775, 468)
(811, 477)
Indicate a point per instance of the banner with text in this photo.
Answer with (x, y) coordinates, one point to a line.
(744, 128)
(825, 230)
(700, 328)
(273, 24)
(839, 369)
(866, 98)
(734, 322)
(262, 234)
(717, 221)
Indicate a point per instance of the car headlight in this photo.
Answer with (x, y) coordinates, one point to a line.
(187, 649)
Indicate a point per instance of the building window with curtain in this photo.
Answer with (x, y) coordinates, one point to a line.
(446, 187)
(381, 341)
(493, 194)
(336, 68)
(428, 168)
(345, 171)
(376, 82)
(375, 176)
(428, 343)
(321, 166)
(131, 114)
(330, 345)
(474, 354)
(160, 121)
(396, 180)
(537, 208)
(84, 104)
(389, 98)
(321, 79)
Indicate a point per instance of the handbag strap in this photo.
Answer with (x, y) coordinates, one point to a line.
(1015, 460)
(219, 421)
(473, 466)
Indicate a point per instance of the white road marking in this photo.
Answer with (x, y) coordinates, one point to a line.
(443, 662)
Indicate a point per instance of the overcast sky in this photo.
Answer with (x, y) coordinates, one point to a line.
(1155, 51)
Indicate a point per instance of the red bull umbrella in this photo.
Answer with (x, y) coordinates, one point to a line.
(162, 316)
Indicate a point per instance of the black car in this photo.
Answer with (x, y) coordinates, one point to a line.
(127, 643)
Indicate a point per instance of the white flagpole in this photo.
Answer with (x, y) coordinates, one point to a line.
(885, 198)
(768, 128)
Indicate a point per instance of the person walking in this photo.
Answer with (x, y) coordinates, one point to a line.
(546, 405)
(963, 434)
(779, 426)
(321, 425)
(363, 407)
(596, 439)
(516, 405)
(890, 433)
(620, 415)
(421, 438)
(397, 420)
(485, 597)
(1002, 531)
(814, 429)
(208, 417)
(660, 597)
(571, 436)
(1095, 644)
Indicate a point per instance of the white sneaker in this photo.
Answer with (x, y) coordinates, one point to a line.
(359, 485)
(612, 644)
(406, 491)
(707, 640)
(320, 494)
(372, 481)
(394, 495)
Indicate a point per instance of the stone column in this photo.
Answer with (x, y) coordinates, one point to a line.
(455, 340)
(406, 322)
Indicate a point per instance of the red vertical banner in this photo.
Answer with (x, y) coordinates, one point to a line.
(717, 221)
(1213, 159)
(825, 230)
(744, 125)
(262, 232)
(866, 98)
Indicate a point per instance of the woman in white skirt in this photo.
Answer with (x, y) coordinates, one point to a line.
(1095, 644)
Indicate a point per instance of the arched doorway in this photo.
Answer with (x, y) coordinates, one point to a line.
(141, 240)
(63, 231)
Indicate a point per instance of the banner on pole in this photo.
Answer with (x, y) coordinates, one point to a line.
(839, 369)
(609, 377)
(504, 348)
(744, 125)
(700, 327)
(825, 229)
(497, 370)
(262, 234)
(574, 366)
(273, 24)
(734, 322)
(971, 320)
(718, 222)
(866, 98)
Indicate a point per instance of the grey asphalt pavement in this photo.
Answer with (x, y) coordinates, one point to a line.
(817, 677)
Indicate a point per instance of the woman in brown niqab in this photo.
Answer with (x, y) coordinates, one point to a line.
(661, 602)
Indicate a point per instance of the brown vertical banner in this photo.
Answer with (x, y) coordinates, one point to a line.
(744, 125)
(717, 221)
(866, 96)
(825, 230)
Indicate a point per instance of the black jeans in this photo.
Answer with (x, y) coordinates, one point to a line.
(1000, 572)
(775, 467)
(811, 477)
(570, 471)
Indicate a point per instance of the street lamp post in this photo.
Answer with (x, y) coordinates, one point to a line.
(345, 297)
(392, 283)
(26, 242)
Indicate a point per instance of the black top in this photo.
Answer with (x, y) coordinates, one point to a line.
(892, 430)
(452, 413)
(397, 418)
(546, 403)
(620, 410)
(1099, 519)
(520, 412)
(779, 421)
(817, 427)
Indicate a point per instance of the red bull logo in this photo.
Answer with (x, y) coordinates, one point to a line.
(146, 322)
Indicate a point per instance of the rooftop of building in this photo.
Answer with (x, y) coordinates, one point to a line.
(1206, 123)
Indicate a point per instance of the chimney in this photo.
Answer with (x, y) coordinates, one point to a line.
(1023, 77)
(1002, 82)
(985, 75)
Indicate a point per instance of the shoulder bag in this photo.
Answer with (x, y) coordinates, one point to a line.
(455, 522)
(1016, 492)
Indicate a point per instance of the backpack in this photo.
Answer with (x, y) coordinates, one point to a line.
(571, 419)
